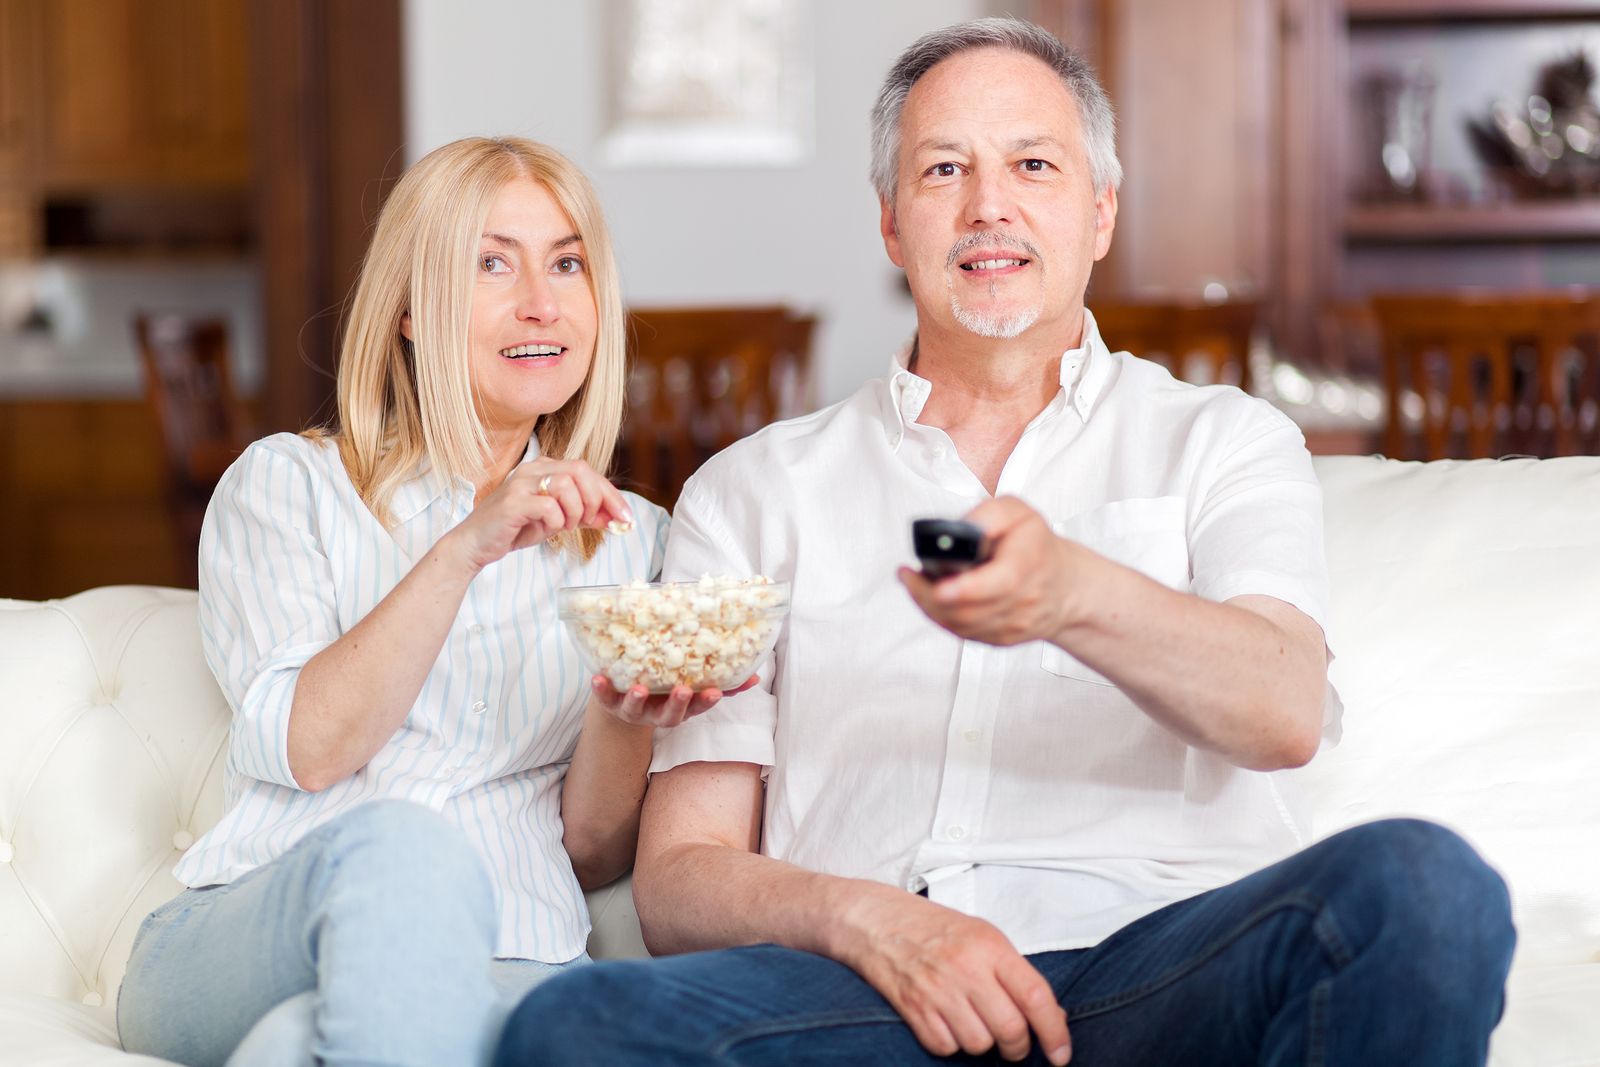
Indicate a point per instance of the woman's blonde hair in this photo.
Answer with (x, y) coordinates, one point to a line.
(400, 402)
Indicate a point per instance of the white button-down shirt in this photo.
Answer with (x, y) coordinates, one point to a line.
(290, 559)
(1015, 784)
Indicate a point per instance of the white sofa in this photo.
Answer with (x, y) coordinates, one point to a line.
(1466, 619)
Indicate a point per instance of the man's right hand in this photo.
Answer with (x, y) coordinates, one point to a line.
(956, 980)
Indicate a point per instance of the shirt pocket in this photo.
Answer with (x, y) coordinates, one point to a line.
(1149, 536)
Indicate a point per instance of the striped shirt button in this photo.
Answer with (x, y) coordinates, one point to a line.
(479, 707)
(476, 629)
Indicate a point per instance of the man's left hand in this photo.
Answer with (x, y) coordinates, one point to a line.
(1029, 589)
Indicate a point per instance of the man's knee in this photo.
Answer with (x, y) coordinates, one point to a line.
(1428, 887)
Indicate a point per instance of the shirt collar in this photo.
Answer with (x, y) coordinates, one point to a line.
(418, 493)
(1085, 373)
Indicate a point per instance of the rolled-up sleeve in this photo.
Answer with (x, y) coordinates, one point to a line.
(1256, 527)
(740, 728)
(266, 601)
(1257, 530)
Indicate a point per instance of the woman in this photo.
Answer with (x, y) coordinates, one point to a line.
(413, 759)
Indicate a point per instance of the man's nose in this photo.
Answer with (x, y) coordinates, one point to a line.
(990, 201)
(536, 299)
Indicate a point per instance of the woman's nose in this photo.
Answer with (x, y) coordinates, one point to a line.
(536, 300)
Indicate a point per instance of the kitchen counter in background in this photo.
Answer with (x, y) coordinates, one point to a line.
(90, 304)
(82, 478)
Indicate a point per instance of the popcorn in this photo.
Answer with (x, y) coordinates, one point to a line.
(703, 634)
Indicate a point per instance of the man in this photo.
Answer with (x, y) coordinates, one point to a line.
(1057, 807)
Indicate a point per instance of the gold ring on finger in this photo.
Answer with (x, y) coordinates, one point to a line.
(544, 486)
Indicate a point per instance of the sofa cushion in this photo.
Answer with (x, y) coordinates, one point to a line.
(1466, 622)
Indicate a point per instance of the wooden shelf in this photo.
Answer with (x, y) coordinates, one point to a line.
(1412, 10)
(1538, 220)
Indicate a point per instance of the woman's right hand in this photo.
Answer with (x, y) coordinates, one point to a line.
(538, 499)
(637, 707)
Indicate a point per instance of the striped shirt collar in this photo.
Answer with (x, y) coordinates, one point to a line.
(418, 493)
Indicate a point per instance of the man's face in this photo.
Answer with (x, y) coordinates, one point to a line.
(996, 220)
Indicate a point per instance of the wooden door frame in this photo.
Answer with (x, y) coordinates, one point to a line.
(326, 146)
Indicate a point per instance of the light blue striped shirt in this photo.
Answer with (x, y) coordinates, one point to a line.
(290, 559)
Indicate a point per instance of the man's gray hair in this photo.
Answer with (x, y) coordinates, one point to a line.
(1012, 34)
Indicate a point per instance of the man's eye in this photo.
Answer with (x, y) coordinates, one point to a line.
(943, 170)
(569, 265)
(493, 264)
(1035, 165)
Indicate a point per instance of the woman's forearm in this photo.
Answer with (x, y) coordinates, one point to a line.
(352, 696)
(602, 795)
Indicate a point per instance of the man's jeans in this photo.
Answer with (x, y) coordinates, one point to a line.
(368, 942)
(1383, 946)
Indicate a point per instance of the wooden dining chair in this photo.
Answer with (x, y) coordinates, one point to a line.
(1472, 375)
(203, 425)
(1207, 344)
(702, 378)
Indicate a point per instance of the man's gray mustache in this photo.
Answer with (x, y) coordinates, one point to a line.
(990, 240)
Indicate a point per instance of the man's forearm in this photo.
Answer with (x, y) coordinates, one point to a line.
(1244, 681)
(693, 897)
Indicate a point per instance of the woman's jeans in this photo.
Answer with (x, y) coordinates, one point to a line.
(369, 942)
(1383, 946)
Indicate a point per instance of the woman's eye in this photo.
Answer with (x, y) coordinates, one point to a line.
(569, 265)
(493, 264)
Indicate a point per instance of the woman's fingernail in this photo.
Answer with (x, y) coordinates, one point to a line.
(1061, 1055)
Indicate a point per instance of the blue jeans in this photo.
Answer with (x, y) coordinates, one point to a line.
(1383, 946)
(368, 942)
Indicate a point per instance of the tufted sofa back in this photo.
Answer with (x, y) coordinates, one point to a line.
(112, 734)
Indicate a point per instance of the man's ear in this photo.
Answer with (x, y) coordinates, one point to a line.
(405, 326)
(1105, 221)
(891, 232)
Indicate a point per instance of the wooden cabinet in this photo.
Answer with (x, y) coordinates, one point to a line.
(141, 92)
(81, 497)
(17, 68)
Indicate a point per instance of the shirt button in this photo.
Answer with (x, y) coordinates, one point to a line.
(957, 832)
(93, 999)
(938, 451)
(972, 736)
(182, 840)
(479, 707)
(476, 629)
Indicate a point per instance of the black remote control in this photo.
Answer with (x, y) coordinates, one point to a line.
(948, 546)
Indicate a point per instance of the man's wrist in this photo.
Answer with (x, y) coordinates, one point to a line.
(853, 909)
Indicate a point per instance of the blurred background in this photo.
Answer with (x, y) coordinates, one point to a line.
(1381, 215)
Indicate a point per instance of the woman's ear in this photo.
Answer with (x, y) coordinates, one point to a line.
(405, 326)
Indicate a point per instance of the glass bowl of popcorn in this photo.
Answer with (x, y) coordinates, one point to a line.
(705, 634)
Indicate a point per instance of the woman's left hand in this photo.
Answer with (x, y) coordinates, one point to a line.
(638, 708)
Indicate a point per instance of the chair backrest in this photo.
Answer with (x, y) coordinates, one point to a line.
(700, 379)
(189, 387)
(1207, 344)
(1480, 375)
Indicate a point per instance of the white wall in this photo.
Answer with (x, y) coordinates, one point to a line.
(806, 235)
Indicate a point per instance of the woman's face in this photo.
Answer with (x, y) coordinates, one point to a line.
(533, 315)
